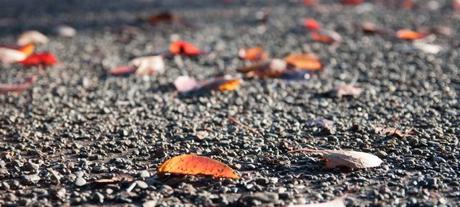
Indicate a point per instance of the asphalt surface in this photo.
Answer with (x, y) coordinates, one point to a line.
(78, 125)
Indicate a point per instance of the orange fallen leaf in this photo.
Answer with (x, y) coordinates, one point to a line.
(407, 34)
(351, 2)
(307, 61)
(19, 87)
(162, 17)
(192, 164)
(229, 85)
(253, 54)
(338, 202)
(27, 49)
(184, 48)
(311, 24)
(326, 36)
(346, 158)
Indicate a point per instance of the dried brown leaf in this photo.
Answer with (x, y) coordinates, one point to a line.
(390, 131)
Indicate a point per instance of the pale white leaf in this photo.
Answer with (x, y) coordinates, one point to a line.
(65, 31)
(346, 158)
(338, 202)
(32, 36)
(426, 47)
(148, 65)
(347, 90)
(9, 56)
(186, 84)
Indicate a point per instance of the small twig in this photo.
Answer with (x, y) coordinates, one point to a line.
(234, 120)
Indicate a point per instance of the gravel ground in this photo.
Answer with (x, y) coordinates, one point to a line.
(78, 125)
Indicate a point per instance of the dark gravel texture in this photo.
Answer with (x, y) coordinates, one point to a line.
(78, 125)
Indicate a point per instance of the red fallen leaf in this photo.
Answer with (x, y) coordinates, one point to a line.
(191, 164)
(185, 84)
(122, 70)
(407, 34)
(184, 48)
(347, 90)
(18, 88)
(44, 59)
(307, 61)
(253, 54)
(311, 24)
(271, 68)
(162, 17)
(310, 2)
(326, 36)
(407, 4)
(351, 2)
(346, 158)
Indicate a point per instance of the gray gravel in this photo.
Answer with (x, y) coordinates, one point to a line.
(78, 126)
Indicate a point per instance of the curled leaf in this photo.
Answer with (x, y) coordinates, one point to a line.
(18, 88)
(307, 61)
(9, 56)
(390, 131)
(326, 36)
(407, 34)
(186, 84)
(32, 37)
(148, 65)
(191, 164)
(43, 59)
(338, 202)
(184, 48)
(253, 54)
(311, 24)
(347, 90)
(122, 70)
(370, 28)
(346, 158)
(271, 68)
(162, 18)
